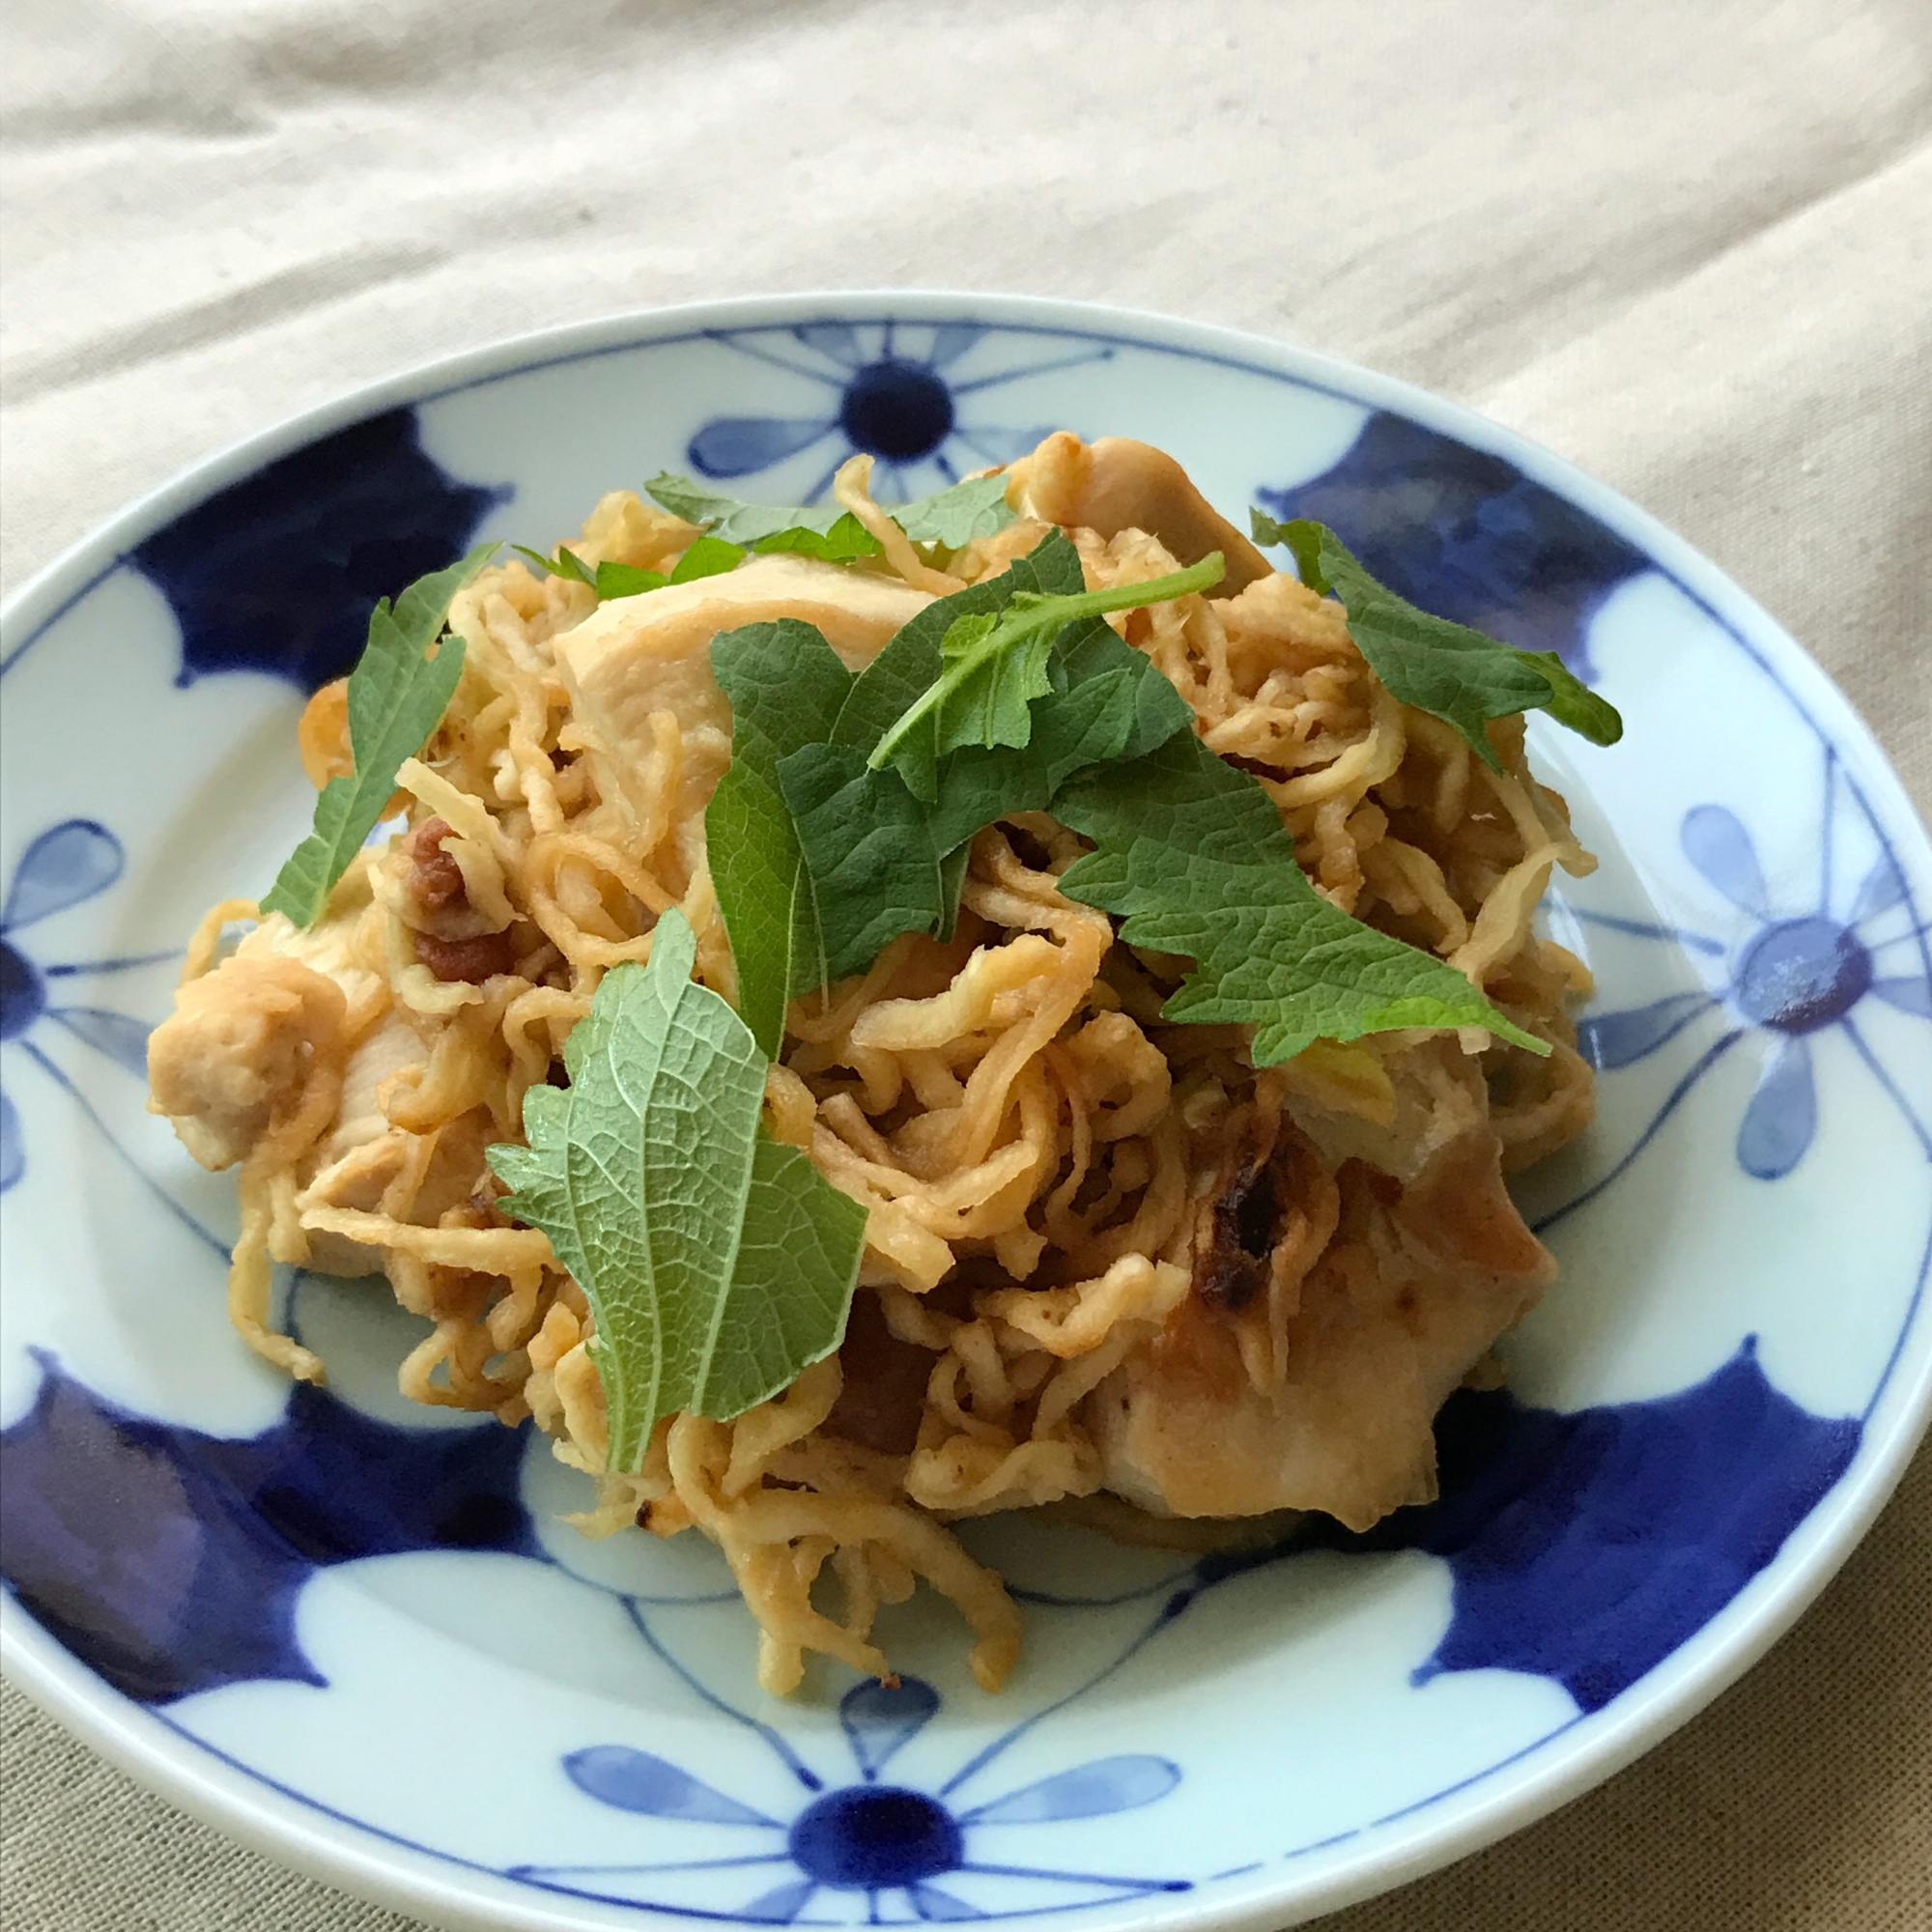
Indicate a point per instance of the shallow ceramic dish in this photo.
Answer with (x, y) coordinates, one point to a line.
(353, 1633)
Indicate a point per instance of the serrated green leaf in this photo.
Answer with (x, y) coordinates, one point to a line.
(1572, 703)
(764, 893)
(949, 518)
(992, 702)
(1192, 855)
(1457, 673)
(708, 556)
(786, 686)
(867, 844)
(909, 665)
(990, 672)
(819, 860)
(565, 563)
(963, 514)
(1111, 703)
(789, 688)
(398, 691)
(846, 539)
(626, 580)
(755, 526)
(717, 1264)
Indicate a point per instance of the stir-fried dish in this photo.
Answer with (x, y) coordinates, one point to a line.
(856, 1017)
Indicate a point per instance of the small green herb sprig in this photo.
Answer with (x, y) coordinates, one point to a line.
(708, 556)
(949, 519)
(946, 520)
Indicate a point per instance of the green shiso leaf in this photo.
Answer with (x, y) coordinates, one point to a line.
(908, 667)
(822, 854)
(1457, 673)
(718, 1264)
(867, 846)
(1192, 855)
(624, 579)
(786, 686)
(398, 691)
(565, 563)
(819, 859)
(958, 516)
(816, 529)
(708, 556)
(846, 539)
(1109, 703)
(988, 685)
(992, 666)
(949, 518)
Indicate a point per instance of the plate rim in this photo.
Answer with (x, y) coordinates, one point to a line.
(299, 1831)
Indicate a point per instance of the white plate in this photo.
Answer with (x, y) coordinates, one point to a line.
(352, 1631)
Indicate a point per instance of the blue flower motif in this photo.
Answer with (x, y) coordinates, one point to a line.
(903, 409)
(1790, 975)
(171, 1561)
(1466, 535)
(893, 1842)
(73, 862)
(278, 573)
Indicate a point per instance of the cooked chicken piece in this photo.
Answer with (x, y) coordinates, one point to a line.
(636, 655)
(1118, 484)
(359, 1119)
(1423, 1274)
(237, 1051)
(236, 1055)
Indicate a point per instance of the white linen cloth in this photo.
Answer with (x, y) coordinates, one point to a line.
(1688, 246)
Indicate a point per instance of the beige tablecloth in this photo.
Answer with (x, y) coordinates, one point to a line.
(1689, 245)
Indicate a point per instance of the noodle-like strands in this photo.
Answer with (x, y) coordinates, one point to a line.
(1009, 1107)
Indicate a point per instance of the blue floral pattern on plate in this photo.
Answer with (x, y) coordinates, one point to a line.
(68, 865)
(892, 1842)
(278, 573)
(1466, 535)
(1585, 1547)
(172, 1559)
(904, 406)
(1792, 974)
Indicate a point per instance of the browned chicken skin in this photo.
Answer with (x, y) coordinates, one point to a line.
(1429, 1264)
